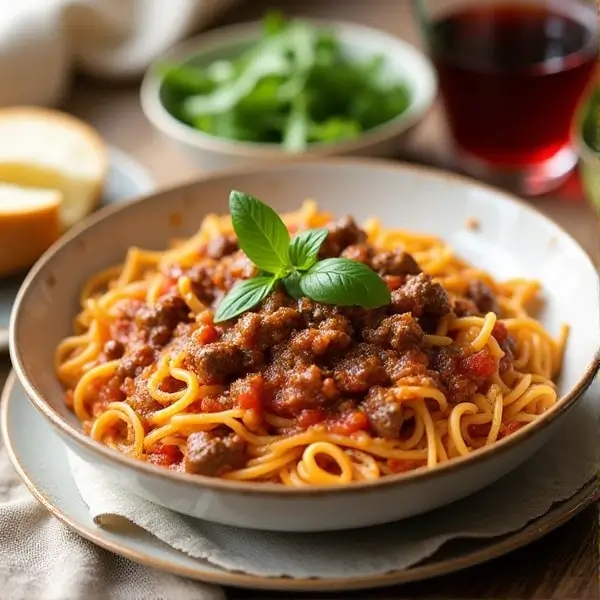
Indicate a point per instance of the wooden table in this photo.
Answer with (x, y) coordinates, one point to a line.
(563, 565)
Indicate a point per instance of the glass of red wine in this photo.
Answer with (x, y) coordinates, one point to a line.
(511, 74)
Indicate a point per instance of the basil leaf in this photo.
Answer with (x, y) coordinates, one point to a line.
(344, 282)
(243, 296)
(305, 248)
(292, 285)
(261, 233)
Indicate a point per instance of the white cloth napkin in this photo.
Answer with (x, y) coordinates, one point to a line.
(42, 40)
(559, 470)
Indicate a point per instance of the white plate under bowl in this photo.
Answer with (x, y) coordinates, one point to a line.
(512, 240)
(49, 479)
(126, 179)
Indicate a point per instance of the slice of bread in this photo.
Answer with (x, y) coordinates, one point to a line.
(44, 148)
(29, 224)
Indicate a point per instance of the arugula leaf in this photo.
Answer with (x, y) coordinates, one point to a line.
(334, 129)
(344, 282)
(185, 79)
(227, 96)
(244, 296)
(261, 233)
(296, 129)
(305, 248)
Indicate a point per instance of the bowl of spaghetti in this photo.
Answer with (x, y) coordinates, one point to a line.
(238, 353)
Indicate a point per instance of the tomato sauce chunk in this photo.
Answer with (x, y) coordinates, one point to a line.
(480, 365)
(349, 423)
(310, 416)
(500, 332)
(165, 455)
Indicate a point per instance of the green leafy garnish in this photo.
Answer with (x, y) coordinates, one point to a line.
(264, 238)
(260, 231)
(295, 86)
(305, 248)
(244, 295)
(344, 282)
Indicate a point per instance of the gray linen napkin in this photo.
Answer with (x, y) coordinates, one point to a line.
(42, 559)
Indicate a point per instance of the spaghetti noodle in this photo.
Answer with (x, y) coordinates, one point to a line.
(298, 392)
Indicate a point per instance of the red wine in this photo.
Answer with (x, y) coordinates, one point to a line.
(511, 76)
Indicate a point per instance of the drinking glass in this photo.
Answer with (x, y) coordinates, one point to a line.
(511, 74)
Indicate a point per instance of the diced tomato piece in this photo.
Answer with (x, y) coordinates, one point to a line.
(509, 428)
(206, 317)
(500, 332)
(401, 465)
(250, 393)
(165, 455)
(481, 364)
(250, 399)
(350, 423)
(207, 334)
(310, 416)
(479, 430)
(393, 282)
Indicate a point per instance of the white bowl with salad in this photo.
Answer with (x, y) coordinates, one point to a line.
(280, 89)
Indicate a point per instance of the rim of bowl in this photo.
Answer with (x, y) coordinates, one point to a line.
(461, 463)
(225, 37)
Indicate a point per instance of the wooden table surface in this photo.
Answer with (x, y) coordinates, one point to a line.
(564, 564)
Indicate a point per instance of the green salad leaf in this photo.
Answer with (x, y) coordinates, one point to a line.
(296, 85)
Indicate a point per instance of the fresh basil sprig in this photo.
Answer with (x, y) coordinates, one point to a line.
(261, 233)
(344, 282)
(263, 236)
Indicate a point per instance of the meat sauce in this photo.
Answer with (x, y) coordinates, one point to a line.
(310, 364)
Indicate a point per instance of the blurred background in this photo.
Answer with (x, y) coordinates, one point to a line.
(87, 58)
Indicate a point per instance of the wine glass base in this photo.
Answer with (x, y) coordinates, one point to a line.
(527, 180)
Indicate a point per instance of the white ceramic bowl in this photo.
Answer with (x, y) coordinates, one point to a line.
(512, 240)
(212, 153)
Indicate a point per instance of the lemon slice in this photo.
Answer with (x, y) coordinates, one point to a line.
(29, 224)
(45, 148)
